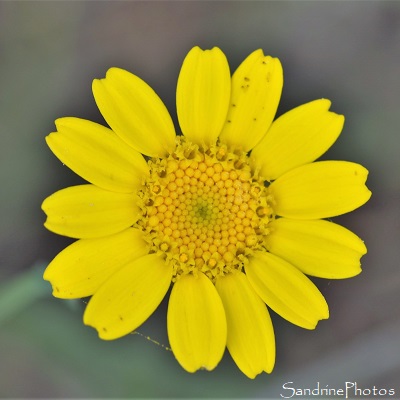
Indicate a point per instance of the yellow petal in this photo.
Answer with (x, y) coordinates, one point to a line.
(256, 91)
(135, 112)
(319, 248)
(320, 190)
(129, 297)
(251, 340)
(286, 290)
(80, 269)
(298, 137)
(86, 211)
(97, 154)
(196, 323)
(202, 95)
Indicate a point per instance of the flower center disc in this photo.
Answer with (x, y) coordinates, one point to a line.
(204, 209)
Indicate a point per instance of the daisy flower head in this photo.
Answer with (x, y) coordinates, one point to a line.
(229, 213)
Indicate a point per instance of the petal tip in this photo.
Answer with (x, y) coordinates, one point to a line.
(96, 83)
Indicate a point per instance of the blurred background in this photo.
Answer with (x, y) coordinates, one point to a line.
(50, 52)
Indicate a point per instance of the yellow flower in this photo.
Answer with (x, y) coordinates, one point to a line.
(230, 213)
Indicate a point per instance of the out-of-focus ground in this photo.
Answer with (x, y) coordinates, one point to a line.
(348, 52)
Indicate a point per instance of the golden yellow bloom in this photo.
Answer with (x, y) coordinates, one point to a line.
(230, 213)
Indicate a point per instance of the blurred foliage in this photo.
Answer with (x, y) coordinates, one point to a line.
(46, 350)
(19, 292)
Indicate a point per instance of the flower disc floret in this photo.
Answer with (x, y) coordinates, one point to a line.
(204, 209)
